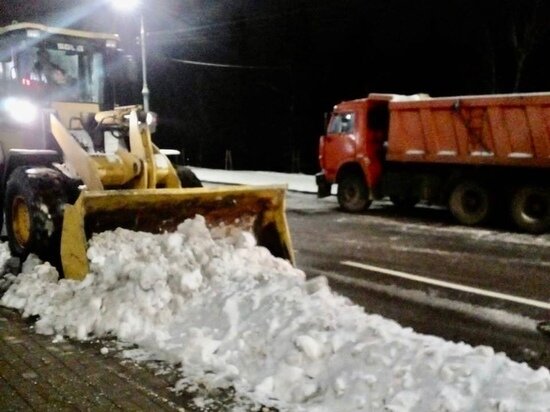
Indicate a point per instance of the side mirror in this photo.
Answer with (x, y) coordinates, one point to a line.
(326, 117)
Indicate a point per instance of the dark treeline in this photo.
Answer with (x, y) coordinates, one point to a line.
(301, 57)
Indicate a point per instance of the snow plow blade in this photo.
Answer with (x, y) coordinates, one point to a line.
(260, 209)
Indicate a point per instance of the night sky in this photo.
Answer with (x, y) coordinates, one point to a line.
(302, 57)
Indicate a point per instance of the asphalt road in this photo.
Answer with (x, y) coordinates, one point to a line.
(483, 286)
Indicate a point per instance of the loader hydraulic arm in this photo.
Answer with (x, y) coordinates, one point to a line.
(143, 166)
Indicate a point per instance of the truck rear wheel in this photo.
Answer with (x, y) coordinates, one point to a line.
(530, 209)
(353, 194)
(35, 198)
(470, 203)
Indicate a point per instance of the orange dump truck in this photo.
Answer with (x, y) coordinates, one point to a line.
(478, 155)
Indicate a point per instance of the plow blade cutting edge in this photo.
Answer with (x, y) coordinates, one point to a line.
(259, 209)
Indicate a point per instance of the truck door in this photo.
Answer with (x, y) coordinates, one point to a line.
(339, 143)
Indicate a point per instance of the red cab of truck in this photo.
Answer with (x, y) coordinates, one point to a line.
(481, 156)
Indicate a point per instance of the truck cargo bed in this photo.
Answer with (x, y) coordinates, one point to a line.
(497, 129)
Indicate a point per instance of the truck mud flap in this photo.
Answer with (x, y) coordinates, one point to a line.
(259, 209)
(323, 186)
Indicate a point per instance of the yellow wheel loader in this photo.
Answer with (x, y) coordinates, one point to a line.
(73, 163)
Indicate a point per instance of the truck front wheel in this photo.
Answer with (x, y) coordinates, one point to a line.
(470, 203)
(34, 203)
(353, 194)
(530, 209)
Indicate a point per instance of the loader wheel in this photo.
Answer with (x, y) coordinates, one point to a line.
(530, 209)
(353, 194)
(470, 203)
(35, 198)
(188, 178)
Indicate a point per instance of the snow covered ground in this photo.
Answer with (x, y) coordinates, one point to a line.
(296, 182)
(231, 314)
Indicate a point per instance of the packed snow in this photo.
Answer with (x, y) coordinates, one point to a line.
(232, 315)
(296, 181)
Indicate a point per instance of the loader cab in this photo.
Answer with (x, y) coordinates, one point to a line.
(51, 70)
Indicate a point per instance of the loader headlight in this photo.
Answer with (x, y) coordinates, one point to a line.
(20, 110)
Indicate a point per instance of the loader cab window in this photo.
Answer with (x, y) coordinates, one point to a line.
(342, 123)
(6, 70)
(62, 72)
(7, 66)
(6, 75)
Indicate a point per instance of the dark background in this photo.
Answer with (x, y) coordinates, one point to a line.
(301, 57)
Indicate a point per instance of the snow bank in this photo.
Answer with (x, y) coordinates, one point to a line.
(232, 314)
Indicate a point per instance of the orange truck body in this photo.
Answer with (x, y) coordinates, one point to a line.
(478, 155)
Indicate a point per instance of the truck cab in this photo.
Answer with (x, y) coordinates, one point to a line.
(351, 153)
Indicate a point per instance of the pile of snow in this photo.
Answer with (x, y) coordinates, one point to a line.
(233, 315)
(5, 278)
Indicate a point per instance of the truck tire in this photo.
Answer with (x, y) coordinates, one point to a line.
(353, 194)
(34, 204)
(530, 209)
(404, 202)
(470, 203)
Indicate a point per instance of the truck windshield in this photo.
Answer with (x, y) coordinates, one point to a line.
(62, 72)
(342, 123)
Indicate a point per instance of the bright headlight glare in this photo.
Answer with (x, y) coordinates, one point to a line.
(151, 119)
(33, 33)
(125, 5)
(21, 110)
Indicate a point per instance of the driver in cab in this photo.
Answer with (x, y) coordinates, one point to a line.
(48, 72)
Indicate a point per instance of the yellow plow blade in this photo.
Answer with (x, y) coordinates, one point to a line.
(260, 209)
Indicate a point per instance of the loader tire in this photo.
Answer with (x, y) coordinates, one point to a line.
(188, 178)
(353, 193)
(530, 209)
(470, 203)
(34, 204)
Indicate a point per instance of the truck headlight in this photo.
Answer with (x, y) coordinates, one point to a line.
(20, 110)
